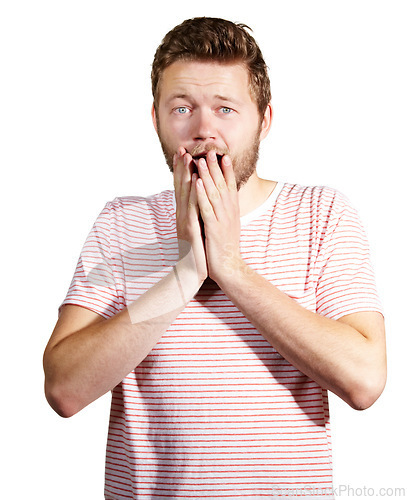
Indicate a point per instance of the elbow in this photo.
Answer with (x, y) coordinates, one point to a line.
(60, 402)
(62, 398)
(366, 392)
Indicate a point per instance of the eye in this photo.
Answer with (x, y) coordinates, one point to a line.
(225, 110)
(182, 110)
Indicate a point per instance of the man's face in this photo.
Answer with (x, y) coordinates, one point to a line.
(205, 106)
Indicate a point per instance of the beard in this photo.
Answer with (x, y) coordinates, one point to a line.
(244, 163)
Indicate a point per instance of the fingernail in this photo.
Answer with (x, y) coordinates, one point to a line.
(227, 160)
(212, 156)
(202, 164)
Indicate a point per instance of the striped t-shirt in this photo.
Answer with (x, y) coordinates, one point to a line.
(214, 411)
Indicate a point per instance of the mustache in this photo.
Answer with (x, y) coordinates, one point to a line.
(203, 149)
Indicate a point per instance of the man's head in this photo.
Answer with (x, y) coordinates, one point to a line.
(211, 92)
(215, 40)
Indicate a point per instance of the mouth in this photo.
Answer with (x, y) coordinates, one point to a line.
(196, 158)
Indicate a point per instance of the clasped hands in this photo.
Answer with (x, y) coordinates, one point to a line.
(207, 213)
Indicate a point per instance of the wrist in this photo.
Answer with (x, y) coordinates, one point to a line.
(232, 273)
(187, 275)
(192, 260)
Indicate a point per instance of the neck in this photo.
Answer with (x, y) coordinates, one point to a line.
(254, 193)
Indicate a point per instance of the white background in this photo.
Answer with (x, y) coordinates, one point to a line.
(75, 131)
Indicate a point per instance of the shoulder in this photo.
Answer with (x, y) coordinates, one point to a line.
(139, 208)
(317, 194)
(322, 199)
(163, 201)
(322, 210)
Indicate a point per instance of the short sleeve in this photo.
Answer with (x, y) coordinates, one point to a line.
(346, 282)
(93, 285)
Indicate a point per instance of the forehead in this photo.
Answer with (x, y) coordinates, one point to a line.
(205, 78)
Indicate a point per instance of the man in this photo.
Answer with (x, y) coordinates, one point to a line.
(220, 313)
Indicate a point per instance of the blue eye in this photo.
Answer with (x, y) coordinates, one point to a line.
(182, 110)
(225, 110)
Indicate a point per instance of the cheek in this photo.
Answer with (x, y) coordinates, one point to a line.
(176, 131)
(236, 136)
(181, 128)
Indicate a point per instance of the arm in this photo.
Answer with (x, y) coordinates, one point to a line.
(88, 355)
(346, 356)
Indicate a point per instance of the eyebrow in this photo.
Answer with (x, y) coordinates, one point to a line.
(228, 99)
(182, 95)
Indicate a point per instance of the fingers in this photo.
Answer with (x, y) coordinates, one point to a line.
(215, 177)
(228, 173)
(216, 187)
(178, 168)
(187, 209)
(209, 195)
(193, 209)
(215, 171)
(182, 169)
(206, 207)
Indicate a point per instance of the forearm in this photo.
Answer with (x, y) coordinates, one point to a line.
(346, 356)
(92, 361)
(334, 354)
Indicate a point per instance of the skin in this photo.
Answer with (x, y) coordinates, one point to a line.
(204, 91)
(88, 355)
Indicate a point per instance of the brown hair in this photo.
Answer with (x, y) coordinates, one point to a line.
(207, 38)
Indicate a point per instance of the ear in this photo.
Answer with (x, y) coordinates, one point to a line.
(154, 117)
(266, 123)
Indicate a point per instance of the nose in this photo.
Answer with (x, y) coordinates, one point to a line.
(204, 125)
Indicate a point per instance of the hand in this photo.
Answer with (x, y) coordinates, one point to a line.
(219, 207)
(190, 239)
